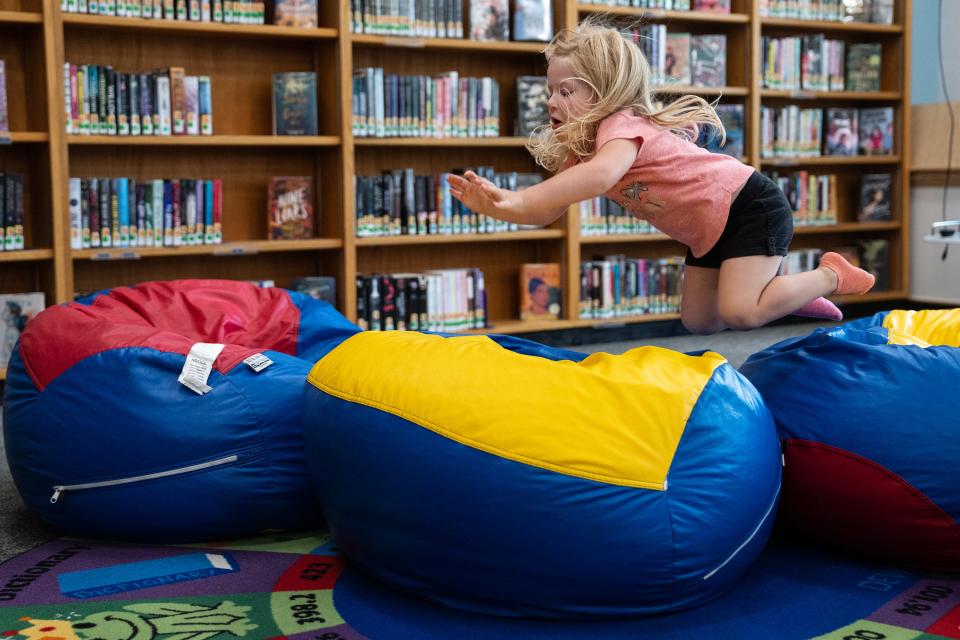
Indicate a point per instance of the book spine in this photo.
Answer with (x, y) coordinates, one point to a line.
(206, 105)
(94, 208)
(76, 225)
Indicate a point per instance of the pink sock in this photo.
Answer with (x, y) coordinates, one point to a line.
(820, 308)
(850, 279)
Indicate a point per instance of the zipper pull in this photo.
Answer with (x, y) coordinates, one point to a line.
(56, 495)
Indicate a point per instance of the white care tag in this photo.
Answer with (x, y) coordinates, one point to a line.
(197, 368)
(258, 362)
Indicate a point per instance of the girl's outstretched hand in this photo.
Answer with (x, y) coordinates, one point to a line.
(482, 196)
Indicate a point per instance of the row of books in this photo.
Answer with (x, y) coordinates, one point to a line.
(870, 254)
(448, 300)
(794, 132)
(617, 286)
(439, 106)
(17, 310)
(812, 197)
(225, 11)
(102, 101)
(602, 216)
(4, 117)
(122, 212)
(11, 212)
(401, 203)
(681, 58)
(717, 6)
(877, 11)
(816, 64)
(530, 20)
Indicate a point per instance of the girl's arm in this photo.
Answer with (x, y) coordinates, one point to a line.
(543, 203)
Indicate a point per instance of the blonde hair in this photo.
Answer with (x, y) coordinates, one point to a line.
(618, 75)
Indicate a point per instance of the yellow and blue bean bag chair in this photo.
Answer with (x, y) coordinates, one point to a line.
(869, 414)
(501, 476)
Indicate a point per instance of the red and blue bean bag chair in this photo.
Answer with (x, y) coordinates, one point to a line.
(504, 477)
(869, 415)
(103, 441)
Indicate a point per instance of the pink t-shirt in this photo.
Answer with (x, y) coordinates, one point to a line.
(683, 190)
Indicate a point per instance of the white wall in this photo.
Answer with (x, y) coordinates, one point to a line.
(930, 279)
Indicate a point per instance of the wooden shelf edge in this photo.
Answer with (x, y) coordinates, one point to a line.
(501, 141)
(703, 91)
(438, 239)
(16, 137)
(227, 249)
(458, 44)
(207, 141)
(826, 25)
(613, 238)
(803, 94)
(829, 160)
(661, 14)
(847, 227)
(880, 296)
(203, 28)
(21, 17)
(26, 255)
(531, 326)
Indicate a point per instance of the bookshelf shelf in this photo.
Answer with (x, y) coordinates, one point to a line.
(3, 373)
(206, 141)
(503, 141)
(860, 96)
(673, 16)
(20, 17)
(198, 28)
(615, 238)
(820, 25)
(16, 137)
(240, 59)
(517, 236)
(847, 227)
(836, 161)
(880, 296)
(26, 255)
(668, 89)
(456, 44)
(228, 249)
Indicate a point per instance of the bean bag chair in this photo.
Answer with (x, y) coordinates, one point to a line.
(869, 415)
(103, 441)
(509, 478)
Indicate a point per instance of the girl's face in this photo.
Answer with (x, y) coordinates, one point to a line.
(569, 97)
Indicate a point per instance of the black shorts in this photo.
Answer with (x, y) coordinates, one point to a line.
(760, 224)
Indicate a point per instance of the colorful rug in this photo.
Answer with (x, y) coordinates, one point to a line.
(298, 588)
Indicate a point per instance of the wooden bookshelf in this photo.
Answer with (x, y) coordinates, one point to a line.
(36, 39)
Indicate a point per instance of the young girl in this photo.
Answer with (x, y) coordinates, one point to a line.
(607, 138)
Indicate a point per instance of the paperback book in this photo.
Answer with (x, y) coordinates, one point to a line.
(296, 13)
(532, 99)
(874, 197)
(291, 212)
(842, 132)
(676, 69)
(863, 67)
(876, 131)
(708, 60)
(317, 287)
(295, 104)
(532, 20)
(4, 118)
(17, 309)
(489, 20)
(540, 293)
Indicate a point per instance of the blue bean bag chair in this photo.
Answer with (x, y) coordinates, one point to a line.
(504, 477)
(869, 414)
(103, 441)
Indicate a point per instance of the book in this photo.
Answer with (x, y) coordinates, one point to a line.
(708, 60)
(290, 207)
(876, 131)
(863, 67)
(296, 13)
(191, 92)
(881, 11)
(532, 99)
(540, 292)
(4, 117)
(717, 6)
(842, 132)
(17, 310)
(295, 104)
(488, 20)
(676, 69)
(317, 287)
(532, 20)
(874, 197)
(875, 258)
(731, 115)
